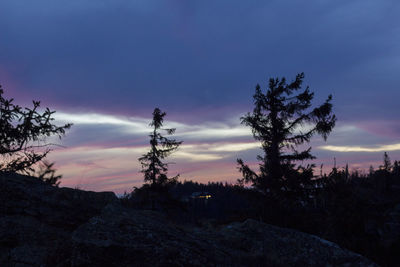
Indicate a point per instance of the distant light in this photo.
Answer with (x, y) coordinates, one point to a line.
(206, 196)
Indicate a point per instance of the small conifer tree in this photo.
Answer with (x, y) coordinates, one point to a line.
(153, 167)
(396, 169)
(387, 164)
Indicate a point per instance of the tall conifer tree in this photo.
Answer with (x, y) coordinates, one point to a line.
(282, 120)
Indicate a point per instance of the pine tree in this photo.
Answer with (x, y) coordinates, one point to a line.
(371, 171)
(396, 169)
(276, 122)
(153, 168)
(23, 133)
(382, 177)
(387, 164)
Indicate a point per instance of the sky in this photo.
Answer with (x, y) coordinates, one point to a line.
(105, 65)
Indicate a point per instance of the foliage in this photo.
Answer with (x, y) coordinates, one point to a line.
(153, 168)
(276, 122)
(23, 134)
(47, 173)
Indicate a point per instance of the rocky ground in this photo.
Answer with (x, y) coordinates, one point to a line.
(41, 225)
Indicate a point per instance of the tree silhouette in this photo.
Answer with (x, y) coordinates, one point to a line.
(387, 164)
(47, 173)
(23, 134)
(154, 169)
(276, 121)
(396, 169)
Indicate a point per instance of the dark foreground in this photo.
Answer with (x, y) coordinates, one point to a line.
(41, 225)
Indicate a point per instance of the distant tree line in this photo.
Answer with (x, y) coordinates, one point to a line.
(353, 209)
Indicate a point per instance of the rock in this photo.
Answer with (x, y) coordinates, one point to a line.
(42, 225)
(36, 219)
(56, 206)
(261, 243)
(145, 238)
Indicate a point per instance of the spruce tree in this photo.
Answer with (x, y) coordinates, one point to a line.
(153, 167)
(371, 171)
(23, 134)
(276, 120)
(396, 169)
(387, 164)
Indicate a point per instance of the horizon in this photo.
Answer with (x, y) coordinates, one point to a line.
(105, 66)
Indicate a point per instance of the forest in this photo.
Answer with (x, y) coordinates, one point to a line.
(359, 211)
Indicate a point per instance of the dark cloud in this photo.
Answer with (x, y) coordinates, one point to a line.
(200, 61)
(121, 56)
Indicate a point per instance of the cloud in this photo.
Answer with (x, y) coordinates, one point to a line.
(103, 146)
(199, 61)
(382, 148)
(140, 126)
(93, 118)
(234, 147)
(385, 128)
(195, 156)
(106, 159)
(184, 56)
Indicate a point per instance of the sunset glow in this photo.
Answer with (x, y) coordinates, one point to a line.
(105, 65)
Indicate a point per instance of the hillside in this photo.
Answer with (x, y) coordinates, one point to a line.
(41, 225)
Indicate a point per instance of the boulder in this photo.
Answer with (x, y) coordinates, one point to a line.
(37, 219)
